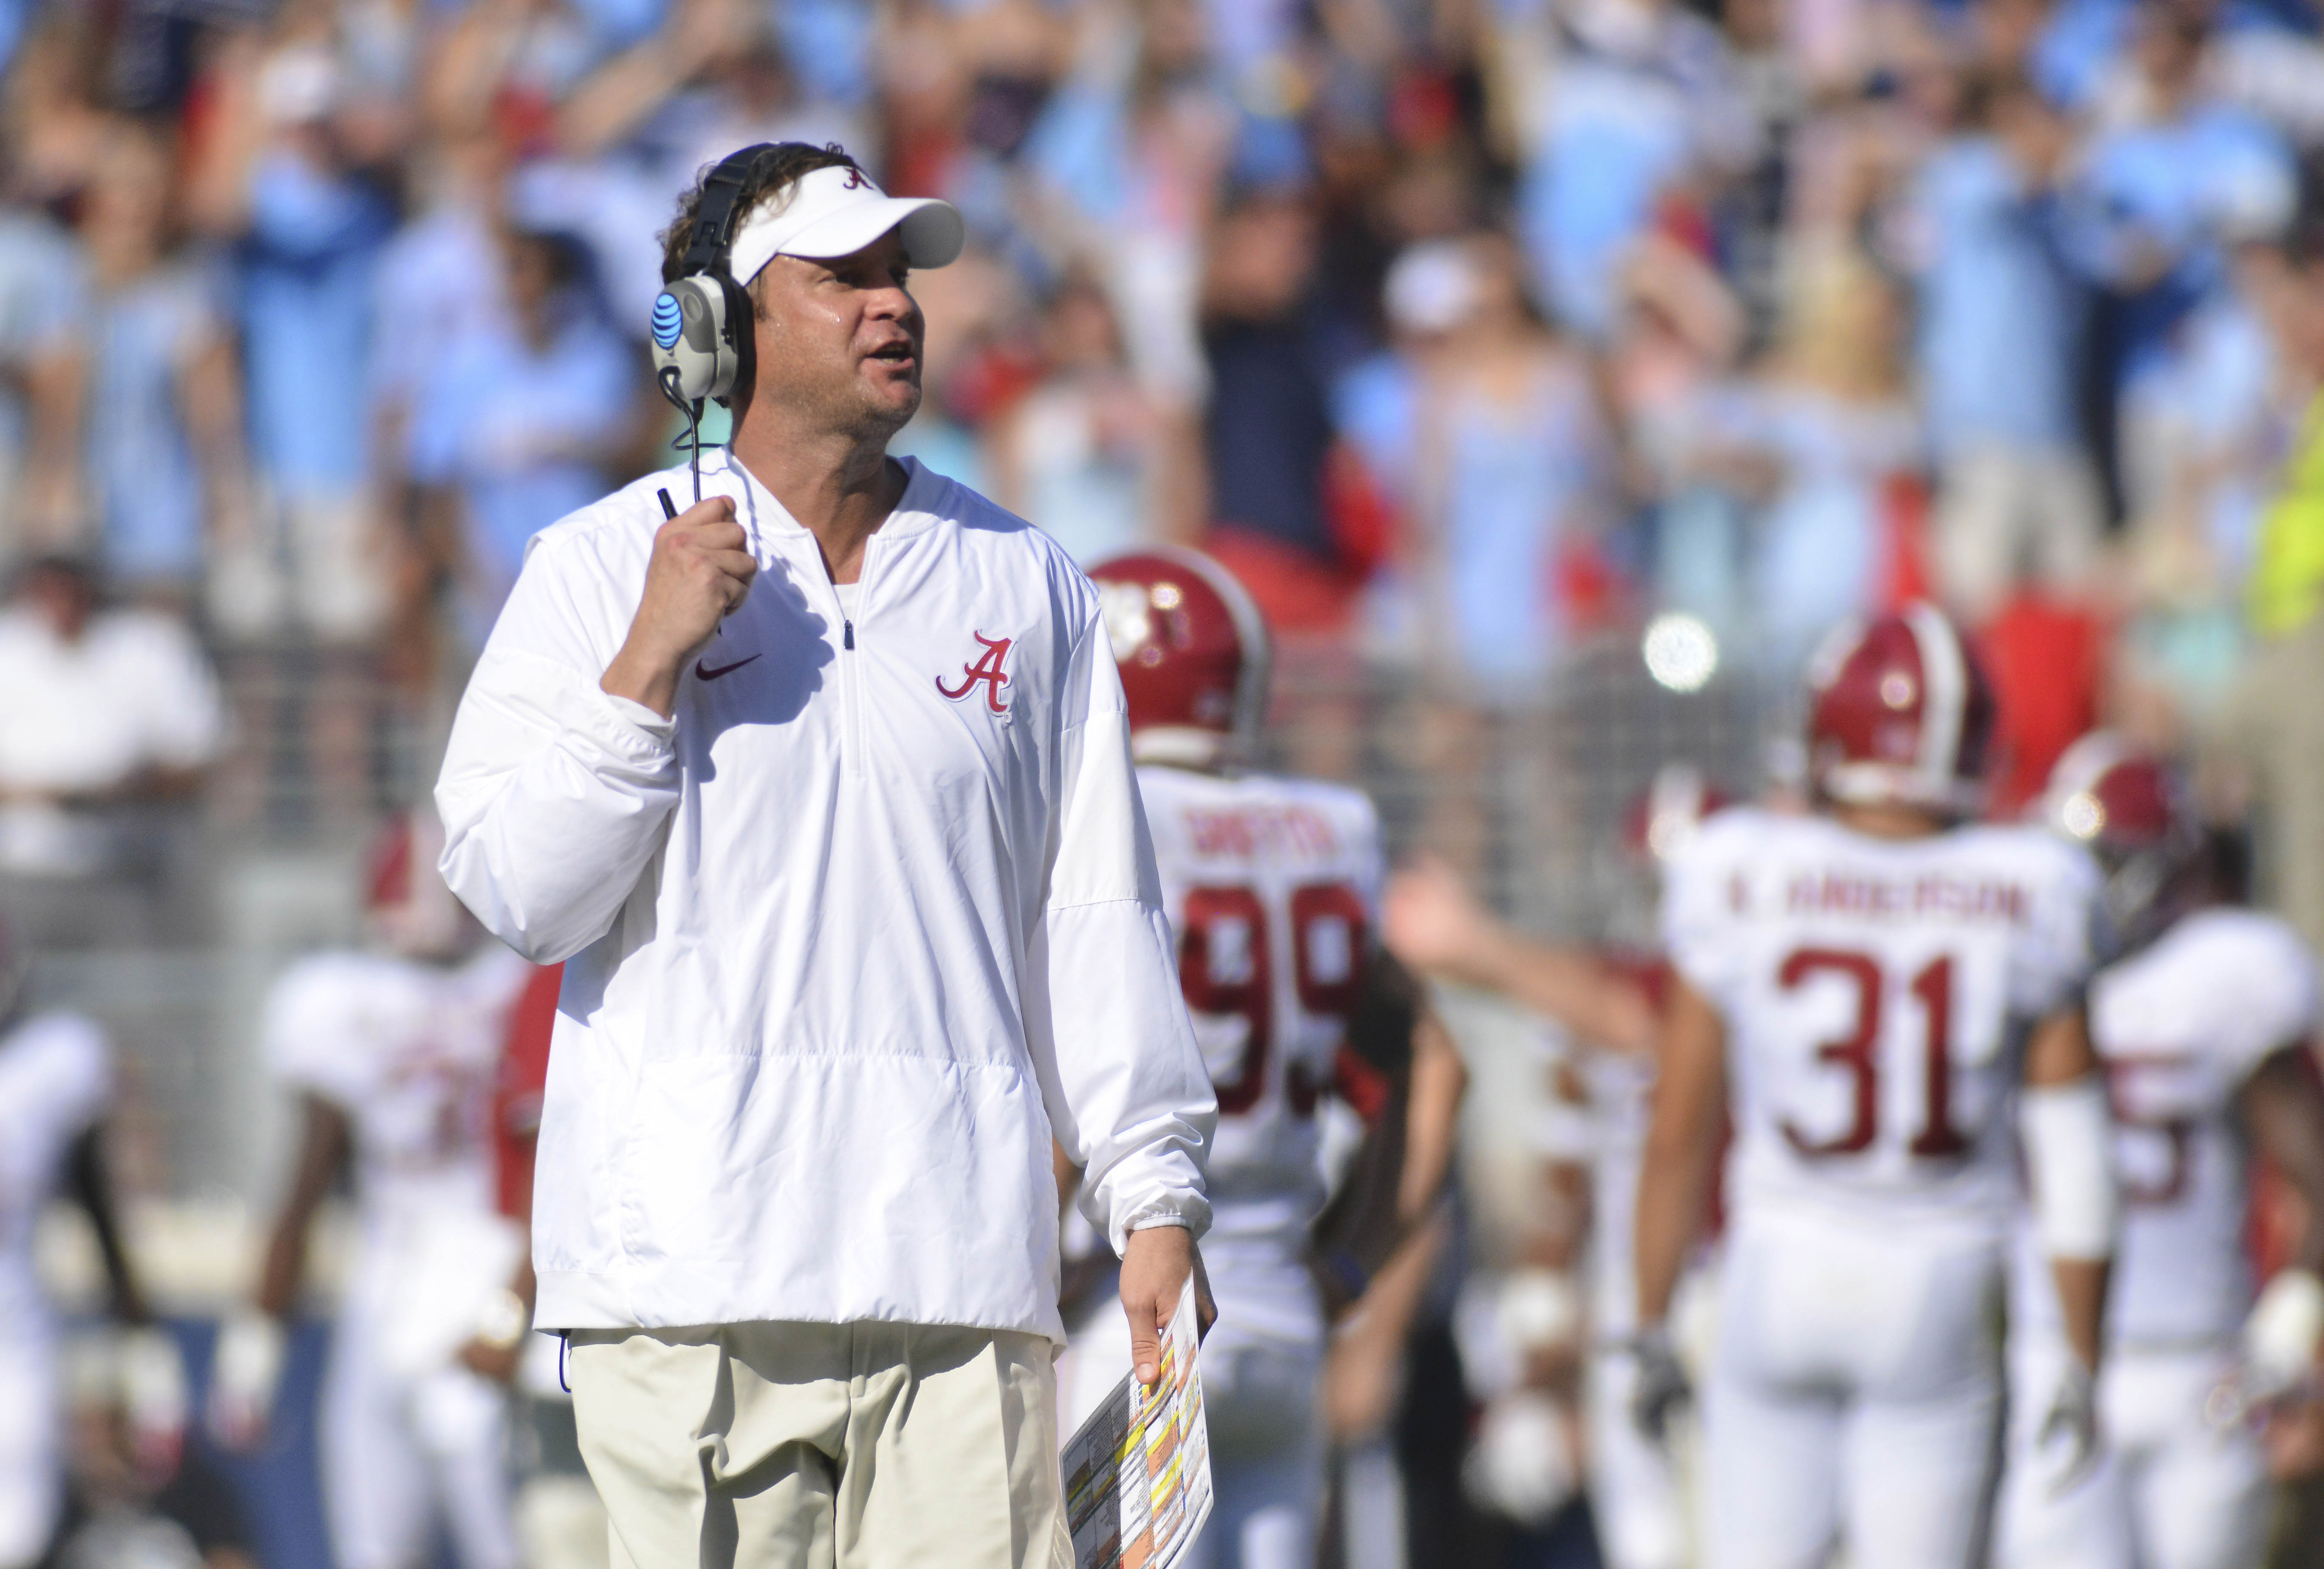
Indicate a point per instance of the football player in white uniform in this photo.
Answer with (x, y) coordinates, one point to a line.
(2202, 1027)
(56, 1083)
(393, 1054)
(1865, 990)
(1609, 1005)
(1273, 886)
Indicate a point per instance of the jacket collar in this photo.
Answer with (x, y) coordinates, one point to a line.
(768, 518)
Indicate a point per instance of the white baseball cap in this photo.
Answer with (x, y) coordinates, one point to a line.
(838, 211)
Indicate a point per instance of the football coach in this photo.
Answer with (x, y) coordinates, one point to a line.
(821, 789)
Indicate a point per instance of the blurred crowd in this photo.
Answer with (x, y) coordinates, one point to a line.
(1464, 330)
(1470, 333)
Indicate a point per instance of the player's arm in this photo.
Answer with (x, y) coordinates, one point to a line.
(55, 382)
(1681, 1142)
(323, 1148)
(153, 1371)
(1364, 1358)
(2069, 1137)
(2282, 1107)
(1674, 1185)
(92, 1189)
(1440, 1081)
(1400, 1067)
(1431, 923)
(250, 1349)
(2068, 1134)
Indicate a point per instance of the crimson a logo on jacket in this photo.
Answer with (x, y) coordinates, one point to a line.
(988, 669)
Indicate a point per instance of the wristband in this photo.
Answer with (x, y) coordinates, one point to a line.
(2070, 1150)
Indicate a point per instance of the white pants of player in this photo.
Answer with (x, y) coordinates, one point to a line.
(2174, 1491)
(31, 1446)
(1635, 1496)
(398, 1452)
(1267, 1452)
(1855, 1396)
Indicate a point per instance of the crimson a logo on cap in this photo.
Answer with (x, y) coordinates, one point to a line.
(856, 180)
(987, 670)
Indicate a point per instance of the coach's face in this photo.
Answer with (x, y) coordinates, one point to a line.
(839, 341)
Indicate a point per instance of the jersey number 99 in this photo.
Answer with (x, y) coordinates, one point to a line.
(1226, 967)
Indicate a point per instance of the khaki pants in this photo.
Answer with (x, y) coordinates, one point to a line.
(779, 1445)
(2005, 515)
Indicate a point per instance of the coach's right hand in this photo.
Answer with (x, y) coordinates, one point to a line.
(701, 570)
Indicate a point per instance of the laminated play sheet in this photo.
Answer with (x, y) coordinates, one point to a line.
(1138, 1474)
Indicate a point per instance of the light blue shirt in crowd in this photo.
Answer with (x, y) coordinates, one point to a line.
(2083, 41)
(1615, 132)
(2002, 313)
(147, 484)
(44, 285)
(2180, 185)
(1510, 480)
(438, 281)
(2176, 180)
(306, 305)
(1820, 540)
(1614, 138)
(511, 429)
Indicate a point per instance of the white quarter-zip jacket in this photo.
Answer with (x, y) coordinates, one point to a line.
(847, 938)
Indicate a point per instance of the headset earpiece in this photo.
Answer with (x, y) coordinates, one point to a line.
(741, 338)
(693, 348)
(701, 326)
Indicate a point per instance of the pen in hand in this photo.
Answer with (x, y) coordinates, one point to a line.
(669, 512)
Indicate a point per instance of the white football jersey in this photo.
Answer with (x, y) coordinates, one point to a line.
(1877, 993)
(56, 1075)
(2181, 1025)
(408, 1051)
(1272, 885)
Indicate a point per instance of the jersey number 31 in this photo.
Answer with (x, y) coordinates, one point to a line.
(1858, 1052)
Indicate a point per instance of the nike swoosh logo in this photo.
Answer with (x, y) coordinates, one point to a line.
(707, 674)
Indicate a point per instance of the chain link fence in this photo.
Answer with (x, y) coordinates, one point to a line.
(1526, 799)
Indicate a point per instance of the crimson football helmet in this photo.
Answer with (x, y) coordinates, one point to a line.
(1899, 714)
(1194, 653)
(2130, 811)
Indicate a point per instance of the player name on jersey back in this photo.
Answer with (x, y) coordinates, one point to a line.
(1939, 894)
(1260, 829)
(1875, 994)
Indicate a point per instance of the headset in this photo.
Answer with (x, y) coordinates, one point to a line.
(701, 326)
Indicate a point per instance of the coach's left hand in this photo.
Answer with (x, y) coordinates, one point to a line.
(1153, 1272)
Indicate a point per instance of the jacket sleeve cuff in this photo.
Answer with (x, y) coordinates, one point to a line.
(629, 732)
(1181, 1208)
